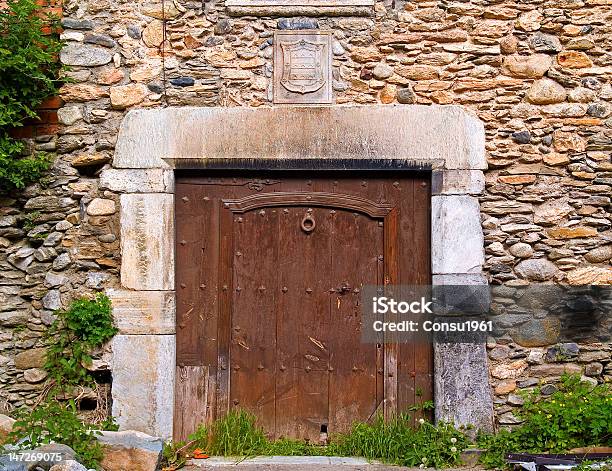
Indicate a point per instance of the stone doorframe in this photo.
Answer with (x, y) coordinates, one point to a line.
(447, 140)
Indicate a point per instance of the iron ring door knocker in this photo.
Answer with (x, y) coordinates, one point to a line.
(308, 223)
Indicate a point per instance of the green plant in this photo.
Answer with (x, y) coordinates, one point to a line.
(29, 220)
(396, 442)
(29, 73)
(87, 324)
(578, 414)
(53, 421)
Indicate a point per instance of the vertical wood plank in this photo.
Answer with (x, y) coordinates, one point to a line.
(194, 389)
(391, 347)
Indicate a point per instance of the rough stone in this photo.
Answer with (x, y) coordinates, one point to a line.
(33, 358)
(153, 34)
(85, 56)
(52, 300)
(131, 450)
(68, 465)
(101, 207)
(545, 43)
(125, 96)
(537, 269)
(533, 66)
(74, 23)
(599, 255)
(35, 375)
(6, 426)
(566, 142)
(521, 250)
(537, 332)
(69, 115)
(552, 212)
(90, 160)
(546, 91)
(574, 60)
(556, 369)
(574, 232)
(590, 276)
(382, 71)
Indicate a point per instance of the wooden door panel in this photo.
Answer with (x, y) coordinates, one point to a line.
(253, 317)
(258, 325)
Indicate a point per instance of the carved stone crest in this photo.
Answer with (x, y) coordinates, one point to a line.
(302, 67)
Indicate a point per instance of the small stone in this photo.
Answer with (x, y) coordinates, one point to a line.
(62, 261)
(546, 91)
(52, 300)
(54, 280)
(406, 96)
(382, 71)
(69, 115)
(562, 352)
(530, 20)
(153, 34)
(599, 110)
(366, 54)
(84, 56)
(505, 387)
(388, 93)
(90, 160)
(100, 40)
(533, 66)
(96, 280)
(508, 419)
(72, 23)
(575, 232)
(82, 92)
(6, 426)
(590, 276)
(515, 400)
(34, 375)
(548, 389)
(127, 95)
(162, 10)
(101, 207)
(574, 60)
(538, 269)
(593, 369)
(183, 82)
(223, 26)
(554, 159)
(568, 141)
(521, 250)
(599, 255)
(555, 369)
(68, 465)
(545, 43)
(552, 211)
(508, 371)
(33, 358)
(508, 44)
(521, 137)
(517, 179)
(134, 31)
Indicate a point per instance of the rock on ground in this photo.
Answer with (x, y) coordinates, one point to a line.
(130, 450)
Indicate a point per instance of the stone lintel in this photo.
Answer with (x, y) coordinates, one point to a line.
(143, 312)
(457, 242)
(143, 383)
(147, 242)
(300, 7)
(415, 133)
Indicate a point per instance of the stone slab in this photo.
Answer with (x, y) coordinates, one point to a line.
(429, 136)
(457, 182)
(143, 312)
(457, 242)
(461, 385)
(137, 180)
(143, 383)
(147, 242)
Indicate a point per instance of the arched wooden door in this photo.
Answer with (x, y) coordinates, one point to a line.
(270, 269)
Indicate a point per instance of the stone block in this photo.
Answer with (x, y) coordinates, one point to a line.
(143, 312)
(147, 247)
(457, 242)
(457, 182)
(131, 450)
(461, 388)
(143, 383)
(138, 180)
(431, 136)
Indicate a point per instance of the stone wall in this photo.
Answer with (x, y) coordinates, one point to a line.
(537, 73)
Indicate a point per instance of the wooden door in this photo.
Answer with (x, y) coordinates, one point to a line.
(270, 268)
